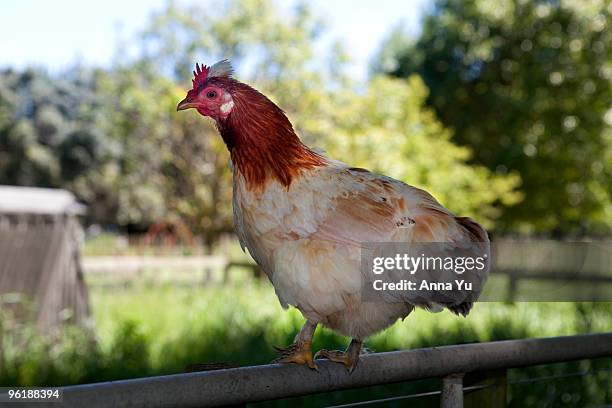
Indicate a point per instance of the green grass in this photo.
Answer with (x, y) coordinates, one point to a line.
(168, 313)
(150, 328)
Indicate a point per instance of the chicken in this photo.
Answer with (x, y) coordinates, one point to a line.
(304, 217)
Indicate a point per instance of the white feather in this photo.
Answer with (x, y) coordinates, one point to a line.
(222, 68)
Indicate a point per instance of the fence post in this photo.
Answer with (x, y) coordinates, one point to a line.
(512, 286)
(207, 276)
(452, 391)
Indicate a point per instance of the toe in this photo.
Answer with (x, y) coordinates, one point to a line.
(286, 351)
(294, 354)
(333, 355)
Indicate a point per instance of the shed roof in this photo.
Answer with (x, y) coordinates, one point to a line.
(31, 200)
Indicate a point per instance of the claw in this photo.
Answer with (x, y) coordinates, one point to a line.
(349, 360)
(296, 353)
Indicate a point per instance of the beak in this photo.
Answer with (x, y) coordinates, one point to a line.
(185, 104)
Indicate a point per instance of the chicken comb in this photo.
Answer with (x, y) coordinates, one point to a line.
(202, 72)
(200, 75)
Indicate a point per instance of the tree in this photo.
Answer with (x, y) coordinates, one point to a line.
(49, 132)
(527, 85)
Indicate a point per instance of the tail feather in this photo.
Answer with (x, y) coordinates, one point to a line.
(477, 233)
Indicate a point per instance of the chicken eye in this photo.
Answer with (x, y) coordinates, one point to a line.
(211, 94)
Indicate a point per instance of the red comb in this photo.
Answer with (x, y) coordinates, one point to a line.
(199, 75)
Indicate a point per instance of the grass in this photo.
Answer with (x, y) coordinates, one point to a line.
(158, 327)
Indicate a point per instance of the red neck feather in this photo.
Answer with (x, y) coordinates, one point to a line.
(261, 140)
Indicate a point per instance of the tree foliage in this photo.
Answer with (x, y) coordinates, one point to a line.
(527, 85)
(40, 116)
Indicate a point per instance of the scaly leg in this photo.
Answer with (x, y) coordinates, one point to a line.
(349, 358)
(300, 352)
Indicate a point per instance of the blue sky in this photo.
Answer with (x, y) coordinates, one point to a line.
(57, 33)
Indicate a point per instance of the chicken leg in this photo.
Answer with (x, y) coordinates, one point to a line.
(300, 352)
(349, 358)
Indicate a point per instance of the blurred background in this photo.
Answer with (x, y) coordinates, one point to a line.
(117, 253)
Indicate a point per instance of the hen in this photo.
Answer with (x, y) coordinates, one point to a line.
(304, 217)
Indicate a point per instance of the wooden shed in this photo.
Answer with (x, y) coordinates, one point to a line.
(41, 277)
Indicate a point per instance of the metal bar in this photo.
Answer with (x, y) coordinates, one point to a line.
(452, 391)
(388, 399)
(404, 397)
(259, 383)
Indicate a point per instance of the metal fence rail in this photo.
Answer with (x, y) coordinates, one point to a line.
(267, 382)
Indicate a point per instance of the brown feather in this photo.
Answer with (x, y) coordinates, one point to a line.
(261, 140)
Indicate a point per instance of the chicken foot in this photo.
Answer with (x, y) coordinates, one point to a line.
(300, 352)
(349, 357)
